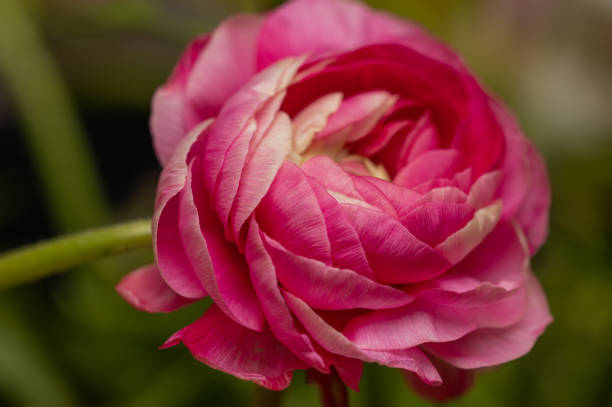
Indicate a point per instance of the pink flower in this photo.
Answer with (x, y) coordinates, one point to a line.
(344, 190)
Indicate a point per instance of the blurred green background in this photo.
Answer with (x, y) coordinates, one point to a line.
(76, 78)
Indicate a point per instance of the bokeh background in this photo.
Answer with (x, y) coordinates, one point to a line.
(76, 79)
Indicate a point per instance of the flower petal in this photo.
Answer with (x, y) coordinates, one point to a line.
(493, 346)
(146, 290)
(224, 345)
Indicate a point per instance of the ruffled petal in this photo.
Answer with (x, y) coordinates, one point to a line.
(224, 345)
(325, 287)
(493, 346)
(146, 290)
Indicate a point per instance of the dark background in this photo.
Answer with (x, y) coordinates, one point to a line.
(76, 78)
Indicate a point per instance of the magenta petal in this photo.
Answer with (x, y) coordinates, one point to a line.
(331, 288)
(409, 326)
(272, 302)
(346, 249)
(433, 222)
(224, 345)
(146, 290)
(291, 215)
(493, 346)
(219, 266)
(455, 382)
(395, 255)
(430, 165)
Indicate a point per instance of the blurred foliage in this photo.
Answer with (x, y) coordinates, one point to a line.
(69, 340)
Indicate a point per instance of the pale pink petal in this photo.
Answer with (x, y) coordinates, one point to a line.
(331, 288)
(313, 119)
(483, 190)
(260, 170)
(272, 302)
(146, 290)
(324, 27)
(331, 176)
(224, 345)
(463, 241)
(491, 346)
(245, 117)
(359, 113)
(223, 66)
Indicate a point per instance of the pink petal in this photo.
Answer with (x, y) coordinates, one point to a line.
(491, 346)
(533, 212)
(395, 255)
(322, 27)
(359, 114)
(223, 66)
(431, 165)
(463, 241)
(411, 360)
(245, 117)
(334, 341)
(455, 382)
(167, 124)
(433, 222)
(346, 249)
(224, 345)
(325, 287)
(146, 290)
(169, 251)
(260, 170)
(313, 119)
(327, 172)
(277, 313)
(222, 270)
(409, 326)
(290, 214)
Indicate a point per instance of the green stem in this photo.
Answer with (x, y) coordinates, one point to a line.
(55, 255)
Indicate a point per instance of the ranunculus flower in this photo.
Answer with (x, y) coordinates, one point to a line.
(345, 191)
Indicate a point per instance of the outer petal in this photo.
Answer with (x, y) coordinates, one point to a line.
(169, 251)
(217, 341)
(491, 346)
(323, 27)
(146, 290)
(168, 105)
(455, 382)
(334, 341)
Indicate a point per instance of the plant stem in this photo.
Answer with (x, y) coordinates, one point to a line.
(62, 253)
